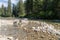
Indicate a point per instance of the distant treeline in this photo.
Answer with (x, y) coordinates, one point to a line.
(33, 9)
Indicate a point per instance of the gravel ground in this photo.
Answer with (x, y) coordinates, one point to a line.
(29, 31)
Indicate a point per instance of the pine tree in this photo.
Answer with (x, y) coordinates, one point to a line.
(21, 11)
(2, 10)
(29, 6)
(57, 9)
(5, 11)
(9, 12)
(15, 11)
(37, 8)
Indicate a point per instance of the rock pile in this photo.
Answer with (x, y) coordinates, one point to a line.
(42, 26)
(27, 28)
